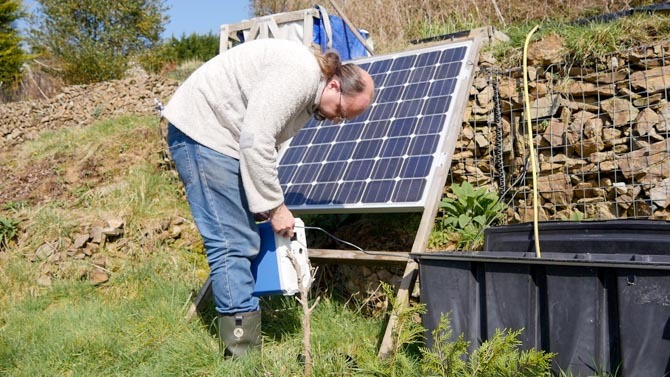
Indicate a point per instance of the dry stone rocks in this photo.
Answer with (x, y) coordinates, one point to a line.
(601, 131)
(59, 256)
(80, 105)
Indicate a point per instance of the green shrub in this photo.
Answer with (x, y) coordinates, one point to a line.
(9, 229)
(12, 56)
(498, 356)
(94, 40)
(157, 59)
(466, 215)
(195, 47)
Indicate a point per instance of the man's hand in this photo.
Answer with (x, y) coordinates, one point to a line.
(282, 221)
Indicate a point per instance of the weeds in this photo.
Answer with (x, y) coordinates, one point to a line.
(498, 356)
(184, 70)
(15, 206)
(9, 229)
(587, 44)
(446, 356)
(466, 214)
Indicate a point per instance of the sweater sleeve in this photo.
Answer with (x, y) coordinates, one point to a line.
(272, 105)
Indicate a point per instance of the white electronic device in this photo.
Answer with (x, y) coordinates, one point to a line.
(273, 269)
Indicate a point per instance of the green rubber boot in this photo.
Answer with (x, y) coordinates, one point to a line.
(240, 333)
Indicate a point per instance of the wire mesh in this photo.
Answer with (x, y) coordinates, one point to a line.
(600, 134)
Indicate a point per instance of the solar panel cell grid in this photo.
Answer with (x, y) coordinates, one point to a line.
(385, 157)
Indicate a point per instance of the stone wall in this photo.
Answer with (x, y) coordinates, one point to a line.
(602, 136)
(80, 105)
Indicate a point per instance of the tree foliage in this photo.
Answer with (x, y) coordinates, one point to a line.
(195, 46)
(11, 54)
(93, 40)
(501, 355)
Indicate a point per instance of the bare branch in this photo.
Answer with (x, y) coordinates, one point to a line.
(303, 299)
(500, 16)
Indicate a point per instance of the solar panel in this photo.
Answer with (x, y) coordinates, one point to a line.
(385, 158)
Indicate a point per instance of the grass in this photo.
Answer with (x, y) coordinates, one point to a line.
(135, 326)
(586, 44)
(184, 70)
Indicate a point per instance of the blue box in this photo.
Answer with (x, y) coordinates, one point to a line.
(272, 269)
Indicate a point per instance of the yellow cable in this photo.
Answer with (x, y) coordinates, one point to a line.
(533, 162)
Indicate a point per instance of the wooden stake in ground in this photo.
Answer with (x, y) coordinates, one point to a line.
(303, 299)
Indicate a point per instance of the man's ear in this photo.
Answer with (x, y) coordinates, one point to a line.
(334, 84)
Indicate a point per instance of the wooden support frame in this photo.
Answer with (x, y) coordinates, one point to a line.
(270, 26)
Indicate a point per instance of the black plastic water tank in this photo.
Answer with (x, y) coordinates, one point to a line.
(599, 297)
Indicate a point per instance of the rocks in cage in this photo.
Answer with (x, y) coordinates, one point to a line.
(612, 136)
(589, 146)
(651, 80)
(526, 212)
(585, 88)
(485, 96)
(556, 188)
(602, 134)
(602, 210)
(663, 124)
(648, 100)
(660, 193)
(640, 208)
(621, 111)
(653, 159)
(603, 77)
(554, 134)
(567, 162)
(585, 103)
(544, 107)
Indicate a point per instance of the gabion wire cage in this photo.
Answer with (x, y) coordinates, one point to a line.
(601, 135)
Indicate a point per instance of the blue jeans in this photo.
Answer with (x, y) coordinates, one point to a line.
(219, 206)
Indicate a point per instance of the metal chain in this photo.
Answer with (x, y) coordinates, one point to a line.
(497, 119)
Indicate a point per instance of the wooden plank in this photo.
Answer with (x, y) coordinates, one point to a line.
(274, 30)
(204, 295)
(224, 38)
(273, 22)
(402, 301)
(263, 32)
(308, 30)
(253, 31)
(316, 256)
(436, 189)
(357, 256)
(279, 18)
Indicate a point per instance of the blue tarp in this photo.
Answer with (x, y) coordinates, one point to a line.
(329, 27)
(343, 39)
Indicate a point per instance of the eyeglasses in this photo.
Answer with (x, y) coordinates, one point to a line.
(340, 115)
(320, 116)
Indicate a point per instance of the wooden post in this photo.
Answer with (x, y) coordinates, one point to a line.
(402, 301)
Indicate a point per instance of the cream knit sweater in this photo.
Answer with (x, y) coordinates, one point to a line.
(246, 101)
